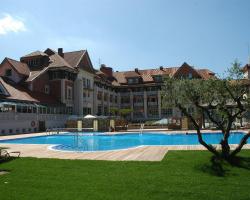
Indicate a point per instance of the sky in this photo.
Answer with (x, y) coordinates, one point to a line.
(131, 34)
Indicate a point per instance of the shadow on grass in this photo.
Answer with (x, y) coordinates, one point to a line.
(221, 168)
(8, 159)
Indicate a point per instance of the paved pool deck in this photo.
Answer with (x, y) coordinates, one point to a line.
(141, 153)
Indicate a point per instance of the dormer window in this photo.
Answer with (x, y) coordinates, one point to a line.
(33, 62)
(190, 75)
(8, 72)
(133, 80)
(158, 78)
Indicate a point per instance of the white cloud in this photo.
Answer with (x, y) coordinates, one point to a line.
(11, 24)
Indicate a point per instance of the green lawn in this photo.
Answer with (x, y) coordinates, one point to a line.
(181, 175)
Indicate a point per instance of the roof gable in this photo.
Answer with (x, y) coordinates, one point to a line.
(185, 70)
(86, 64)
(19, 67)
(74, 57)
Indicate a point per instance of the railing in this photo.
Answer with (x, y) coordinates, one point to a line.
(152, 103)
(139, 104)
(141, 128)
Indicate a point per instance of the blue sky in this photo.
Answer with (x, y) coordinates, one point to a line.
(131, 33)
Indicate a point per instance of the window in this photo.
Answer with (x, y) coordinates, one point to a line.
(190, 75)
(105, 96)
(99, 110)
(8, 72)
(158, 78)
(111, 98)
(88, 83)
(69, 110)
(86, 110)
(133, 80)
(99, 95)
(84, 82)
(69, 93)
(105, 110)
(46, 89)
(115, 99)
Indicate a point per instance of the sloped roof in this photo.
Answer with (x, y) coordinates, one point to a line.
(74, 57)
(17, 92)
(147, 75)
(57, 61)
(205, 73)
(21, 68)
(35, 53)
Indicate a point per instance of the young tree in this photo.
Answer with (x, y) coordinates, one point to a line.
(125, 111)
(221, 100)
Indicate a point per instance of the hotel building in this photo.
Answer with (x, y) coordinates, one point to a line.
(43, 89)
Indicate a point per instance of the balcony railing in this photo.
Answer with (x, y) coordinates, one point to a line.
(152, 103)
(138, 104)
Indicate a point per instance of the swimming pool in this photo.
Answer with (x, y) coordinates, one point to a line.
(103, 142)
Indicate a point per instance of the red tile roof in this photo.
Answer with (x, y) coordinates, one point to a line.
(147, 75)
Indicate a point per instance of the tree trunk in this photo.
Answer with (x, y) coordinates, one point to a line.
(197, 127)
(225, 149)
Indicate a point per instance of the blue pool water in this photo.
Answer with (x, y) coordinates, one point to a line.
(102, 142)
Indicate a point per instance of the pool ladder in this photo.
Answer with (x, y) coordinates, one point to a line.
(141, 128)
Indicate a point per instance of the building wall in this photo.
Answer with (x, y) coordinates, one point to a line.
(105, 104)
(247, 74)
(23, 122)
(39, 83)
(80, 100)
(55, 88)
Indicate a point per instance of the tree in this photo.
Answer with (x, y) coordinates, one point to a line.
(122, 112)
(125, 111)
(221, 100)
(114, 111)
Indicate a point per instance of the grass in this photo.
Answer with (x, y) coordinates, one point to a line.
(181, 175)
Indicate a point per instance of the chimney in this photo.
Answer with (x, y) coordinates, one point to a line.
(106, 70)
(136, 70)
(161, 67)
(60, 52)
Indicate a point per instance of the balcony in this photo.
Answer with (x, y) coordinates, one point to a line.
(138, 104)
(152, 92)
(138, 93)
(152, 104)
(88, 87)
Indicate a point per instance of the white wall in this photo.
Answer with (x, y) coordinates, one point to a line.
(20, 121)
